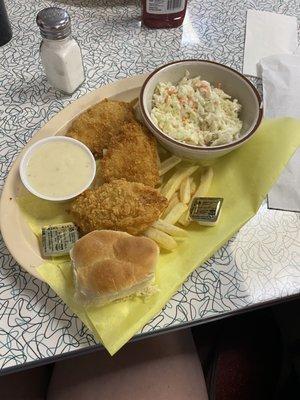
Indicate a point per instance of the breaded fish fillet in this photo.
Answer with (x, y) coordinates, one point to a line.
(119, 205)
(131, 155)
(98, 124)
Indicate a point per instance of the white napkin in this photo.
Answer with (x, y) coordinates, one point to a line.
(266, 34)
(281, 85)
(281, 89)
(285, 195)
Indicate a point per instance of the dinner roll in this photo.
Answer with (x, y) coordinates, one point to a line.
(110, 265)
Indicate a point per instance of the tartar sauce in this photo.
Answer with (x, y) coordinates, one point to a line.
(59, 169)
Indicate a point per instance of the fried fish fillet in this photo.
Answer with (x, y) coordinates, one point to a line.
(119, 205)
(98, 124)
(131, 155)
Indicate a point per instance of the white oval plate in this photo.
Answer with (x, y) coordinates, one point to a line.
(18, 237)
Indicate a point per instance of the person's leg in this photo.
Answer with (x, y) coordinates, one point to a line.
(161, 368)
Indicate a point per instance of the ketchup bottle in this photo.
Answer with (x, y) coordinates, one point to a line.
(163, 13)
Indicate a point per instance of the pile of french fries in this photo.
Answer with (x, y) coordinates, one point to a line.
(180, 189)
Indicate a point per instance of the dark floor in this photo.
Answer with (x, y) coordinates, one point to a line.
(254, 356)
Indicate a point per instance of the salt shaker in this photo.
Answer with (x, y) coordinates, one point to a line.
(60, 53)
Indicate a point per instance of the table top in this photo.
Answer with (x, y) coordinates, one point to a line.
(260, 264)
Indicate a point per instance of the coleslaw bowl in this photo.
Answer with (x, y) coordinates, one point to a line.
(233, 83)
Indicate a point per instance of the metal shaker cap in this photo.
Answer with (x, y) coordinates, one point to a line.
(54, 23)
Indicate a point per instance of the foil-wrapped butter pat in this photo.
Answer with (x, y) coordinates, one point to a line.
(57, 240)
(206, 210)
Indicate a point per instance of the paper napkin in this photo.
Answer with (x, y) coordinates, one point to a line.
(285, 195)
(281, 87)
(267, 33)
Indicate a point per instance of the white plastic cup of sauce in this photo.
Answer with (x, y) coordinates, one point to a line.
(57, 168)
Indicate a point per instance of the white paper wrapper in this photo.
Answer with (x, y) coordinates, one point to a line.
(266, 34)
(285, 195)
(281, 86)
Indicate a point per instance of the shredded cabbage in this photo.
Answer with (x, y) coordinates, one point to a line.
(195, 112)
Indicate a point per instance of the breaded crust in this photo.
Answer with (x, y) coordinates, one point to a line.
(131, 155)
(119, 205)
(96, 126)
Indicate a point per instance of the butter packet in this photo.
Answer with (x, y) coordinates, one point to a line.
(57, 240)
(206, 210)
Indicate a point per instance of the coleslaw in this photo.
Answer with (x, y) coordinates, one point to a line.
(195, 112)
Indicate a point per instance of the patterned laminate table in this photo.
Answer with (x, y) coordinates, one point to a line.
(260, 264)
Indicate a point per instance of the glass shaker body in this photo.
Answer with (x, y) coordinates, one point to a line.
(62, 63)
(60, 53)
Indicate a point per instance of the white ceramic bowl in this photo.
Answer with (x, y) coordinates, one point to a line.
(30, 151)
(233, 83)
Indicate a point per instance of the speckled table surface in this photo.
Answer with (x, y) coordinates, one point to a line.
(260, 264)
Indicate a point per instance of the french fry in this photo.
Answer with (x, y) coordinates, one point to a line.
(173, 201)
(202, 190)
(205, 183)
(175, 213)
(168, 164)
(169, 229)
(193, 187)
(185, 190)
(158, 161)
(174, 182)
(175, 196)
(161, 238)
(184, 219)
(159, 184)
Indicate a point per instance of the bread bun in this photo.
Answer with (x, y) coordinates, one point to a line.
(109, 265)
